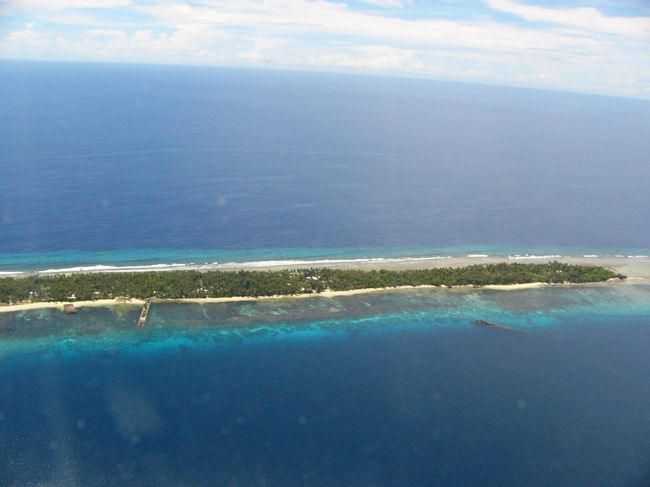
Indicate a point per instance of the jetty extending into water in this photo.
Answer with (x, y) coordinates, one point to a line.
(144, 314)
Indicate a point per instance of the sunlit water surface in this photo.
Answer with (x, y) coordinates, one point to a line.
(385, 389)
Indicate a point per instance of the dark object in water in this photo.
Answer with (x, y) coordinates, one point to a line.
(488, 324)
(498, 326)
(69, 309)
(492, 324)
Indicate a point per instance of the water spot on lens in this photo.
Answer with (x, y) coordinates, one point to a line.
(134, 413)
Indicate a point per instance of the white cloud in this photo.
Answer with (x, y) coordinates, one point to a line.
(568, 48)
(542, 77)
(188, 43)
(68, 4)
(585, 18)
(27, 35)
(296, 17)
(376, 58)
(387, 3)
(476, 73)
(108, 33)
(323, 17)
(264, 50)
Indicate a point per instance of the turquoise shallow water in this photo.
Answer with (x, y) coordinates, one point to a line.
(384, 389)
(388, 389)
(171, 324)
(154, 257)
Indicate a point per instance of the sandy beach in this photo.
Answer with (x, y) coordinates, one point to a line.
(4, 308)
(630, 265)
(636, 269)
(7, 308)
(633, 267)
(325, 294)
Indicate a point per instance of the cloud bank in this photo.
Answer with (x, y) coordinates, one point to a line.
(573, 47)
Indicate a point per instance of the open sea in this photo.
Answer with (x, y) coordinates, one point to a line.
(124, 165)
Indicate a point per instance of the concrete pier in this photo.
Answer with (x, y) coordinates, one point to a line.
(144, 314)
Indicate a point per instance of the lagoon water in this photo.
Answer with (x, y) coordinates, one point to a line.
(386, 389)
(109, 164)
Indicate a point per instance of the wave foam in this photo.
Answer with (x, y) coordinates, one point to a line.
(235, 265)
(290, 262)
(304, 262)
(530, 257)
(111, 268)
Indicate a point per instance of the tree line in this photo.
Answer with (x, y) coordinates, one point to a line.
(198, 284)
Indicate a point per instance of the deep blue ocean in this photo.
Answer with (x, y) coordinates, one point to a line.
(123, 163)
(143, 165)
(386, 389)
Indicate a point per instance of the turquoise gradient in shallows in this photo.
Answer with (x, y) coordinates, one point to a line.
(189, 325)
(321, 388)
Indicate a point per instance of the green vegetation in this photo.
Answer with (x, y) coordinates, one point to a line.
(195, 284)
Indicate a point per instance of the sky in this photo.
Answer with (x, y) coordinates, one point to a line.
(596, 46)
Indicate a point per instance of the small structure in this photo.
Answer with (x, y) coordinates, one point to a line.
(144, 314)
(69, 309)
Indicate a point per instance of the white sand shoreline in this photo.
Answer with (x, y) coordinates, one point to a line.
(633, 265)
(4, 308)
(636, 269)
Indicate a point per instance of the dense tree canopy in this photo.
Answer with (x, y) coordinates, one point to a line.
(196, 284)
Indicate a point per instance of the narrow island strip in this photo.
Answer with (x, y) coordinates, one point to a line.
(105, 289)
